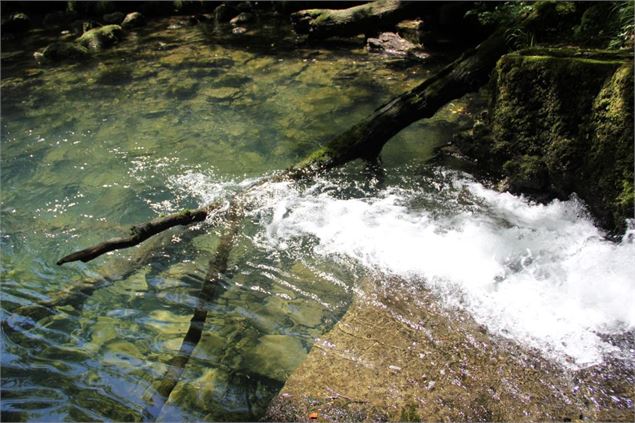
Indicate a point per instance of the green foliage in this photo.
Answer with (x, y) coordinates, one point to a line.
(409, 413)
(506, 14)
(517, 38)
(495, 13)
(624, 11)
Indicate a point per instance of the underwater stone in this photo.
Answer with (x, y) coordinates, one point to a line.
(183, 89)
(275, 356)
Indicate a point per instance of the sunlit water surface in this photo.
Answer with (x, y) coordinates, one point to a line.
(171, 119)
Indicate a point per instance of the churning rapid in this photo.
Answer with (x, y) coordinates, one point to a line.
(539, 274)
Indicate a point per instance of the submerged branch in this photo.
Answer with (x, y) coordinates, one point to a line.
(142, 232)
(217, 267)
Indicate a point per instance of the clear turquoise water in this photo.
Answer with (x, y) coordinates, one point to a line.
(154, 125)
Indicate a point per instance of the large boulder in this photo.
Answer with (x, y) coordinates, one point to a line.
(561, 121)
(100, 38)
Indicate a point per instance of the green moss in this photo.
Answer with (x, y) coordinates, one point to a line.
(100, 38)
(320, 155)
(562, 122)
(626, 198)
(409, 413)
(526, 173)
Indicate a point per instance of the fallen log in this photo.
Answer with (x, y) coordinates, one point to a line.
(366, 139)
(365, 18)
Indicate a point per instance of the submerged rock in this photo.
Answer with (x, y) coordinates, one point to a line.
(183, 89)
(114, 75)
(60, 51)
(100, 38)
(133, 20)
(392, 44)
(275, 356)
(239, 30)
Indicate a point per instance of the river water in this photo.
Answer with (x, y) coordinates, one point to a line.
(176, 116)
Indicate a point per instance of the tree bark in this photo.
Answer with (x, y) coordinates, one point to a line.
(365, 18)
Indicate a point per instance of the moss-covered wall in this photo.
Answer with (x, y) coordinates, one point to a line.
(561, 121)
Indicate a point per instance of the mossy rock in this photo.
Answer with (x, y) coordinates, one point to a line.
(60, 51)
(562, 122)
(527, 173)
(100, 38)
(606, 180)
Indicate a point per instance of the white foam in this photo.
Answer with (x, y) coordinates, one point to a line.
(539, 274)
